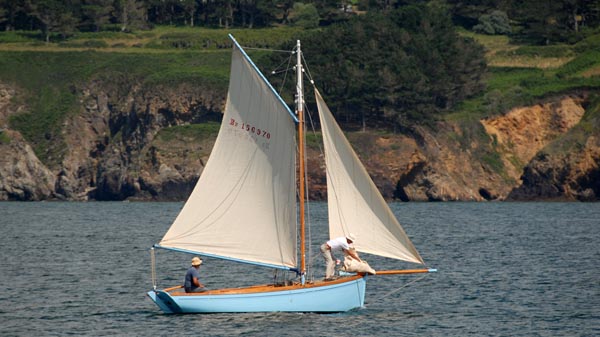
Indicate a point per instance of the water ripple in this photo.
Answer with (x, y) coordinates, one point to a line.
(505, 269)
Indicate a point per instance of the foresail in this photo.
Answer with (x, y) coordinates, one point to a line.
(354, 203)
(244, 204)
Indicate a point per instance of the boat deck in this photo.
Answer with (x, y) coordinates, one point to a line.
(178, 290)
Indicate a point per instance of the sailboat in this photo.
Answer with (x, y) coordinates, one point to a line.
(244, 207)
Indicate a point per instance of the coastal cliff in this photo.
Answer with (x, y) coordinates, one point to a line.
(133, 142)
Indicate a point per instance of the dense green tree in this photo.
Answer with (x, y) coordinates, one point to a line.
(284, 7)
(96, 13)
(331, 11)
(496, 23)
(538, 21)
(189, 11)
(546, 22)
(405, 67)
(165, 11)
(55, 16)
(156, 10)
(259, 13)
(541, 20)
(130, 14)
(468, 13)
(9, 10)
(581, 12)
(224, 13)
(5, 16)
(305, 15)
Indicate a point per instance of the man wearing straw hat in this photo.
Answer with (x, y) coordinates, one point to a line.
(192, 278)
(341, 243)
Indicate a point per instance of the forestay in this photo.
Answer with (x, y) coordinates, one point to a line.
(354, 203)
(244, 204)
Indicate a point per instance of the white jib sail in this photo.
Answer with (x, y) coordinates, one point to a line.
(244, 204)
(354, 202)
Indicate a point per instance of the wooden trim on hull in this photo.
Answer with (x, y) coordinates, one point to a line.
(262, 288)
(404, 271)
(340, 295)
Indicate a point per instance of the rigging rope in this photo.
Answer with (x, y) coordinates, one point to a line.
(321, 152)
(350, 325)
(308, 74)
(396, 290)
(329, 190)
(309, 270)
(308, 218)
(267, 49)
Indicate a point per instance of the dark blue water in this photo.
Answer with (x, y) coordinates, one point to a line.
(505, 269)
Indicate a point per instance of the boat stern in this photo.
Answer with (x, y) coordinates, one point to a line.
(164, 301)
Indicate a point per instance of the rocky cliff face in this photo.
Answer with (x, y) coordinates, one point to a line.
(548, 152)
(562, 176)
(115, 152)
(125, 161)
(111, 153)
(22, 175)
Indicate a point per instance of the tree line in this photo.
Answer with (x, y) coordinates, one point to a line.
(395, 70)
(381, 63)
(538, 21)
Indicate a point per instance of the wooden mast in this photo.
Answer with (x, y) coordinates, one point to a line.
(300, 112)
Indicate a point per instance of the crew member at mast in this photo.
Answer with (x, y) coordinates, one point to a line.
(338, 244)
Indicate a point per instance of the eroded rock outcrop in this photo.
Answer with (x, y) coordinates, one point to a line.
(523, 132)
(562, 176)
(22, 175)
(110, 151)
(114, 151)
(548, 154)
(442, 169)
(120, 131)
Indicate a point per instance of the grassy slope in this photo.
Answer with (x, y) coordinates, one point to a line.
(519, 75)
(50, 73)
(50, 81)
(523, 75)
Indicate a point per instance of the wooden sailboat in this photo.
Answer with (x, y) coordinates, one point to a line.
(244, 205)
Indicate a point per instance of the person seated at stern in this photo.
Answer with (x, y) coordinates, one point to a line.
(192, 283)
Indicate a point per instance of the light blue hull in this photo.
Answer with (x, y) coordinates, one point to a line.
(326, 297)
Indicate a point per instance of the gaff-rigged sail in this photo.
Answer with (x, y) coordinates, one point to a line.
(354, 203)
(244, 204)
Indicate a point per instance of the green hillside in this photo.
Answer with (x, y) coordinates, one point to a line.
(49, 73)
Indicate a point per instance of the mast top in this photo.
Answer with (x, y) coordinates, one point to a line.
(301, 175)
(299, 86)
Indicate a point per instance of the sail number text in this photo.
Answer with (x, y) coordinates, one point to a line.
(251, 129)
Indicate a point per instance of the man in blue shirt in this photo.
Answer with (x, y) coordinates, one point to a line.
(192, 278)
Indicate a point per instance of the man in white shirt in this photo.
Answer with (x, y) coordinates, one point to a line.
(337, 244)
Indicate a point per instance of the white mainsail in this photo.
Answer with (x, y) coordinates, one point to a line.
(244, 204)
(354, 203)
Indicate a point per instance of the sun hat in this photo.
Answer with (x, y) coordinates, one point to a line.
(196, 261)
(351, 237)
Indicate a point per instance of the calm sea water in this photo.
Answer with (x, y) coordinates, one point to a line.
(505, 269)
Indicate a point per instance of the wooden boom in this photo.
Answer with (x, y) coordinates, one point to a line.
(405, 271)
